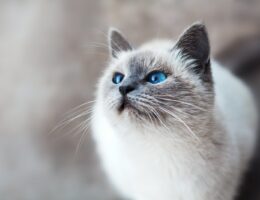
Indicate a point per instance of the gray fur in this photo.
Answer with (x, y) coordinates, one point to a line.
(117, 43)
(194, 44)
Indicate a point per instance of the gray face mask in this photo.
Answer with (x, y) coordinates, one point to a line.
(149, 87)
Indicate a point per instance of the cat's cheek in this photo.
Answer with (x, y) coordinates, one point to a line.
(107, 90)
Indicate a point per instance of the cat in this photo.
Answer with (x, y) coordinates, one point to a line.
(171, 123)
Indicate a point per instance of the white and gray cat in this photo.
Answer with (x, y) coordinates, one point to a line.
(170, 123)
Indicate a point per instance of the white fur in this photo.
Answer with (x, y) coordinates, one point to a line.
(147, 165)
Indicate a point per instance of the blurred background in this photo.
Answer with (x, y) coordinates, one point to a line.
(51, 55)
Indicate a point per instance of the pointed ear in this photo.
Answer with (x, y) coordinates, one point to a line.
(117, 43)
(194, 44)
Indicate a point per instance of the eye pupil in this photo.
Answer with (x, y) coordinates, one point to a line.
(117, 78)
(156, 77)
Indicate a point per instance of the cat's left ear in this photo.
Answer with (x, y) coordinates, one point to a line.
(117, 43)
(194, 44)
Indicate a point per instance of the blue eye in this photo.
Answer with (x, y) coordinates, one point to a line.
(117, 78)
(156, 77)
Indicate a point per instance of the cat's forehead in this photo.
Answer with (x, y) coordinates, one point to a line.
(139, 62)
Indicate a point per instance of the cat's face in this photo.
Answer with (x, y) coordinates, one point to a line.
(159, 85)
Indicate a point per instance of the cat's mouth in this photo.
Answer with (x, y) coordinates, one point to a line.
(125, 104)
(132, 108)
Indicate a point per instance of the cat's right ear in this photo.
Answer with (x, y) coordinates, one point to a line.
(117, 43)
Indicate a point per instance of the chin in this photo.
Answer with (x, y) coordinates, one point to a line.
(129, 113)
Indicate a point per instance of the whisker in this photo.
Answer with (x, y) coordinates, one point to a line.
(75, 130)
(65, 123)
(153, 110)
(83, 124)
(183, 102)
(84, 133)
(180, 120)
(73, 115)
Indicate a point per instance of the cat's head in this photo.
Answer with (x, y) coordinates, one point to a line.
(161, 82)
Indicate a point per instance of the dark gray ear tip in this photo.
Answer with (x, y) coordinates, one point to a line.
(199, 26)
(194, 42)
(199, 23)
(113, 32)
(117, 42)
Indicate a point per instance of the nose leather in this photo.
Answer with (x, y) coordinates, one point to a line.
(125, 89)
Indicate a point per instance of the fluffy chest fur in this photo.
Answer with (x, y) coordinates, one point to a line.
(152, 166)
